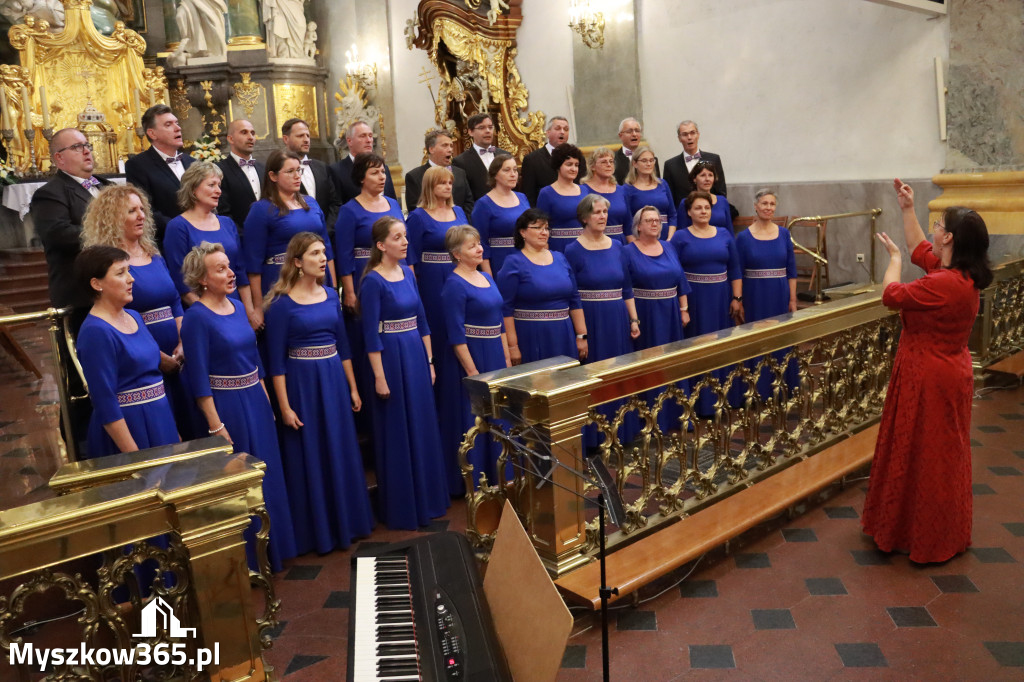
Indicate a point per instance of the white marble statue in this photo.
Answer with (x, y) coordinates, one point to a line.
(50, 11)
(309, 44)
(286, 28)
(201, 26)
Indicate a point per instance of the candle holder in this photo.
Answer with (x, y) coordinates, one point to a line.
(33, 169)
(48, 134)
(8, 135)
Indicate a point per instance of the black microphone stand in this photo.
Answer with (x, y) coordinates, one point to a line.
(608, 500)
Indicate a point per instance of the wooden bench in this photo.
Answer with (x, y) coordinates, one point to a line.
(1012, 365)
(662, 552)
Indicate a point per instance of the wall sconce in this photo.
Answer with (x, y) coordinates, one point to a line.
(362, 72)
(588, 23)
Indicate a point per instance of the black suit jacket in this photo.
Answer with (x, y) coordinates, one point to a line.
(678, 178)
(57, 209)
(326, 193)
(476, 171)
(346, 190)
(622, 166)
(462, 195)
(236, 194)
(149, 172)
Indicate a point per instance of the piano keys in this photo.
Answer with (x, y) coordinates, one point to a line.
(419, 613)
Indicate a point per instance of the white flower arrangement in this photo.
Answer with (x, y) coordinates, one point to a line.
(206, 149)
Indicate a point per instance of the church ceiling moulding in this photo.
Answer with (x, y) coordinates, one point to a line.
(82, 67)
(474, 49)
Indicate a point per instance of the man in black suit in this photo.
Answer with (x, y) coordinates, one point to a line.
(631, 132)
(57, 210)
(158, 170)
(477, 159)
(677, 169)
(359, 137)
(243, 175)
(537, 171)
(316, 181)
(439, 153)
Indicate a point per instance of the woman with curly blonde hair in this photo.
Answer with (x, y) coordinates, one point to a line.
(121, 217)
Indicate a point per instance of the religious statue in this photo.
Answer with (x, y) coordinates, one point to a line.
(286, 28)
(201, 26)
(50, 11)
(309, 45)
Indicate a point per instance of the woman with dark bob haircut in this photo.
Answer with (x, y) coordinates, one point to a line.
(559, 199)
(120, 360)
(919, 496)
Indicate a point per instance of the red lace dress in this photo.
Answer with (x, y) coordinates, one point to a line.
(919, 495)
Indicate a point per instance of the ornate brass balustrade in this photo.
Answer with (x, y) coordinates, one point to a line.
(200, 499)
(999, 330)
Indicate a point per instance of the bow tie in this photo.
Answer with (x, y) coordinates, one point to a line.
(173, 159)
(90, 183)
(305, 162)
(251, 163)
(692, 158)
(627, 152)
(487, 150)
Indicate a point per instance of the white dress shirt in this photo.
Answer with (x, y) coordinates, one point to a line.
(178, 168)
(691, 163)
(485, 156)
(250, 172)
(308, 181)
(94, 191)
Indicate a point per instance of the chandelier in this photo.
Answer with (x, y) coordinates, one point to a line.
(587, 22)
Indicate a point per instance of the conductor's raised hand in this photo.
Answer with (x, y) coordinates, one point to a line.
(888, 244)
(904, 194)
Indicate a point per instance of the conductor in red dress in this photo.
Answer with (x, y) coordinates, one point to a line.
(919, 495)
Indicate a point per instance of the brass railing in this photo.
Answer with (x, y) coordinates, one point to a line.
(82, 546)
(843, 353)
(59, 334)
(818, 253)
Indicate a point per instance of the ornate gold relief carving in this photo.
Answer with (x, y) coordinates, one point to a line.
(475, 58)
(297, 101)
(248, 93)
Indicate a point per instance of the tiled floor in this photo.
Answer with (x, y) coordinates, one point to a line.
(802, 599)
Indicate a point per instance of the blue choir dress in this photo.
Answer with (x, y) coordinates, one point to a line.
(539, 298)
(156, 299)
(223, 363)
(561, 210)
(658, 282)
(182, 236)
(267, 233)
(497, 226)
(323, 469)
(768, 265)
(604, 285)
(660, 198)
(721, 216)
(411, 482)
(433, 266)
(473, 317)
(620, 220)
(711, 265)
(125, 382)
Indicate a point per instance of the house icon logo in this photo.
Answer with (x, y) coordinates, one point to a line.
(158, 615)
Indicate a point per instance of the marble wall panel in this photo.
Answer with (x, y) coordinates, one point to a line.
(985, 112)
(607, 80)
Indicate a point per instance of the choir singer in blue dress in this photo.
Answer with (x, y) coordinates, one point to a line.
(226, 376)
(600, 179)
(495, 213)
(411, 483)
(311, 370)
(559, 199)
(541, 302)
(644, 188)
(703, 178)
(476, 333)
(120, 360)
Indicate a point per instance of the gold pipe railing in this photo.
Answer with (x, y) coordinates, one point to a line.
(58, 333)
(842, 352)
(817, 254)
(199, 496)
(999, 328)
